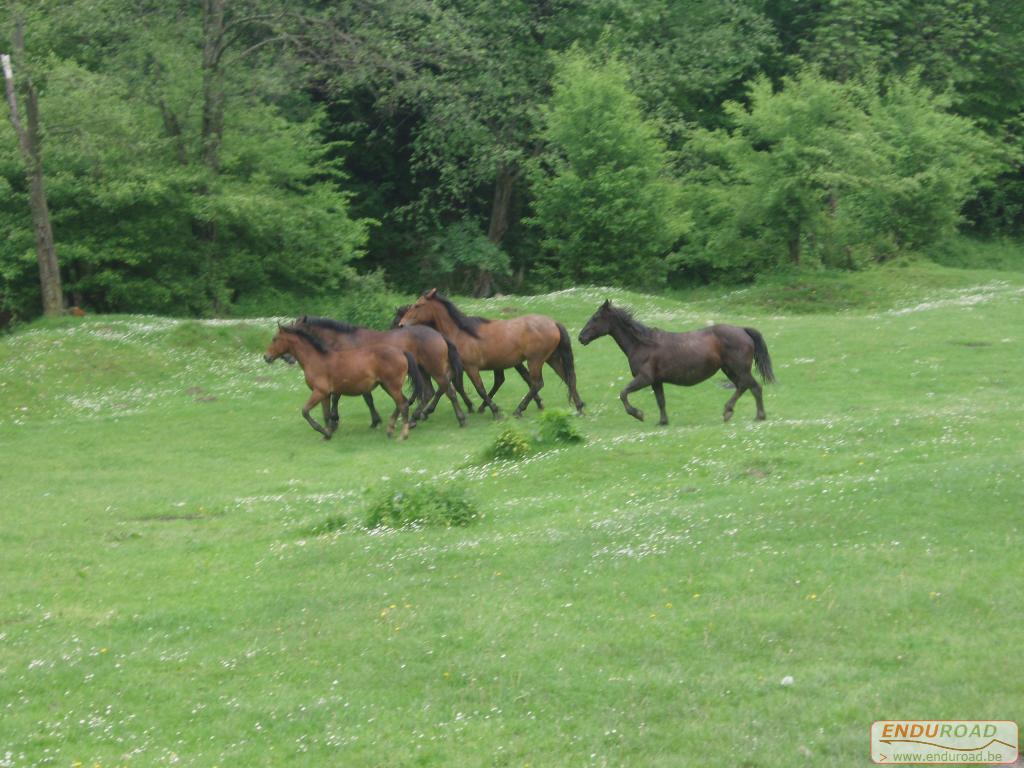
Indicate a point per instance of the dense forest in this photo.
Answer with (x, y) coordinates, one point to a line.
(219, 156)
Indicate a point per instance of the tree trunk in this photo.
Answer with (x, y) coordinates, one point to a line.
(213, 83)
(31, 150)
(794, 244)
(504, 185)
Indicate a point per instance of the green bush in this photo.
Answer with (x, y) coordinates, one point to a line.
(361, 300)
(328, 525)
(509, 444)
(420, 506)
(559, 427)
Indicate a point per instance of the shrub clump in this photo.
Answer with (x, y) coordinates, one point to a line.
(420, 506)
(509, 444)
(559, 426)
(329, 525)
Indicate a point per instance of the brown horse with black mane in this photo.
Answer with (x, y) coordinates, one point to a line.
(657, 357)
(499, 375)
(436, 356)
(330, 374)
(494, 345)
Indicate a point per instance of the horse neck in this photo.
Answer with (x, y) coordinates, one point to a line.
(625, 338)
(302, 351)
(446, 324)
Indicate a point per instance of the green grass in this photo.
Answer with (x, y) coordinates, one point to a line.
(186, 578)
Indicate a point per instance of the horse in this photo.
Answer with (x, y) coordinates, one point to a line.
(657, 357)
(494, 345)
(499, 375)
(436, 356)
(330, 374)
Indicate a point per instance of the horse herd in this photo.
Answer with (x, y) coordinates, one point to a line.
(432, 341)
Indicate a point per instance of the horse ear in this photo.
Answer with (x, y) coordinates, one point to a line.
(431, 293)
(607, 304)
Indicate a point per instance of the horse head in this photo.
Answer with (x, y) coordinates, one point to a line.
(598, 325)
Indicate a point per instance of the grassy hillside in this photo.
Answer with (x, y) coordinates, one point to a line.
(636, 600)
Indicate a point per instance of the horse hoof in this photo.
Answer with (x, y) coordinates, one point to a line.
(663, 423)
(638, 415)
(727, 415)
(761, 417)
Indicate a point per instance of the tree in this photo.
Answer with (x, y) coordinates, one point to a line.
(604, 197)
(30, 143)
(829, 173)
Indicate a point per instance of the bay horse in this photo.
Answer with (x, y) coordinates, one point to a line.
(436, 356)
(330, 374)
(494, 345)
(499, 375)
(657, 357)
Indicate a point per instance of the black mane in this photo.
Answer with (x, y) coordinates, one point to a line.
(316, 343)
(331, 325)
(468, 323)
(638, 330)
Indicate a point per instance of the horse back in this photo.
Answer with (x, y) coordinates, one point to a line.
(505, 343)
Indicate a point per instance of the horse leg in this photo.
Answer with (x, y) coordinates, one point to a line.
(374, 416)
(755, 389)
(455, 404)
(325, 406)
(445, 386)
(461, 390)
(659, 395)
(536, 382)
(474, 376)
(335, 418)
(521, 370)
(401, 407)
(315, 398)
(435, 396)
(742, 383)
(499, 379)
(640, 381)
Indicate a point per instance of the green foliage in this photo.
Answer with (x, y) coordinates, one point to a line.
(604, 197)
(362, 299)
(558, 426)
(328, 525)
(587, 140)
(459, 253)
(417, 506)
(829, 173)
(141, 223)
(970, 253)
(510, 444)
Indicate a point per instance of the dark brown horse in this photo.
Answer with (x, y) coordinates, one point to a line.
(499, 375)
(494, 345)
(332, 373)
(436, 356)
(657, 357)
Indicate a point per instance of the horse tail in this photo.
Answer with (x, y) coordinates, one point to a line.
(568, 363)
(419, 386)
(455, 363)
(761, 358)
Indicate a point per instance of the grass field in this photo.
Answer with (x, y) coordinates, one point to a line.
(632, 601)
